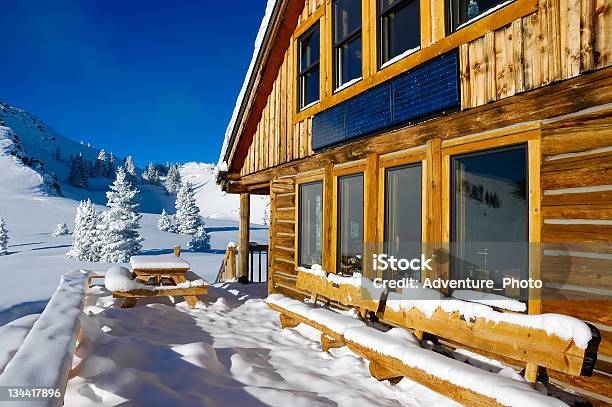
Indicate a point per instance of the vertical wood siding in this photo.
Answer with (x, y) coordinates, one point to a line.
(561, 40)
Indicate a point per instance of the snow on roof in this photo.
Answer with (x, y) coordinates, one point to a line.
(163, 262)
(222, 165)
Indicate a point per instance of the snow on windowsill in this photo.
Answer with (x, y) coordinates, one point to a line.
(309, 105)
(486, 13)
(347, 84)
(356, 280)
(492, 300)
(400, 56)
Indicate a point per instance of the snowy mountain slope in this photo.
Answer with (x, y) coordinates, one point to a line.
(215, 203)
(29, 146)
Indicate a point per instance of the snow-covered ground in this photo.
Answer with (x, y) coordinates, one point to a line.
(36, 260)
(230, 351)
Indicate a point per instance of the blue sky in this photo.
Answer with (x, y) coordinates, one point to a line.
(155, 79)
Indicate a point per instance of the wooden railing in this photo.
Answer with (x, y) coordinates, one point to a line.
(229, 272)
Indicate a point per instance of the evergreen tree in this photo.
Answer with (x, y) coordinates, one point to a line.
(61, 230)
(58, 154)
(85, 232)
(78, 172)
(266, 215)
(3, 238)
(164, 223)
(130, 170)
(110, 168)
(187, 216)
(119, 232)
(200, 241)
(101, 169)
(173, 179)
(151, 174)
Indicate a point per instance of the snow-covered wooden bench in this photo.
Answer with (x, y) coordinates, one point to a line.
(45, 357)
(356, 291)
(123, 284)
(397, 353)
(552, 341)
(556, 342)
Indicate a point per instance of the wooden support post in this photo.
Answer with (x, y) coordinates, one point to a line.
(381, 373)
(231, 263)
(287, 321)
(328, 343)
(243, 246)
(371, 214)
(531, 372)
(177, 251)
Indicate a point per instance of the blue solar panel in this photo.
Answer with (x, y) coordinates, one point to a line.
(426, 90)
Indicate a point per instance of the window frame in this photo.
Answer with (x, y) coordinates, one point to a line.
(336, 47)
(351, 168)
(317, 65)
(414, 156)
(531, 135)
(299, 185)
(380, 15)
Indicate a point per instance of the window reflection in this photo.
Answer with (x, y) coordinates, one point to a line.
(310, 224)
(350, 223)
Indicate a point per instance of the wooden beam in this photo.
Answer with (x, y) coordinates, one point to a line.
(243, 246)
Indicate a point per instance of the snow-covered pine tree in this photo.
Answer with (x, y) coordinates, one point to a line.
(85, 232)
(101, 169)
(164, 223)
(200, 241)
(151, 174)
(187, 216)
(61, 230)
(119, 234)
(266, 215)
(110, 168)
(130, 170)
(3, 238)
(173, 179)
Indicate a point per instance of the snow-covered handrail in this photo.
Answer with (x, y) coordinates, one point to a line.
(45, 357)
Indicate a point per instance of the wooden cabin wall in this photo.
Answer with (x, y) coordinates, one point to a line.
(576, 181)
(561, 40)
(277, 139)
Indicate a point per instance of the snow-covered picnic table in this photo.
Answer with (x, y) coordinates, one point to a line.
(171, 267)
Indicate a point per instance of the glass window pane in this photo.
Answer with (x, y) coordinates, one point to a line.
(350, 223)
(400, 30)
(466, 10)
(349, 67)
(310, 224)
(311, 87)
(347, 18)
(403, 214)
(491, 217)
(309, 48)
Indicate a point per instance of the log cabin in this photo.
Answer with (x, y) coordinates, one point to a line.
(476, 132)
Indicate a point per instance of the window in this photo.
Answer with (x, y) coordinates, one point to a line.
(399, 28)
(463, 12)
(402, 238)
(310, 226)
(350, 224)
(308, 76)
(490, 217)
(347, 41)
